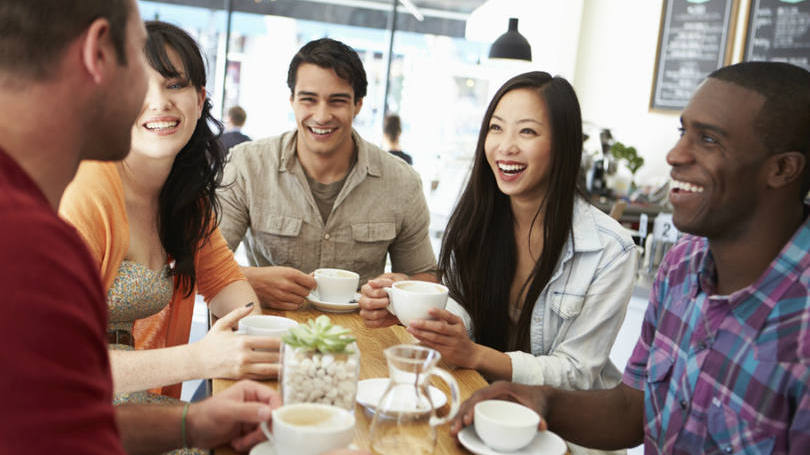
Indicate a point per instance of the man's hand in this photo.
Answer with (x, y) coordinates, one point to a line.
(533, 397)
(280, 288)
(374, 300)
(232, 416)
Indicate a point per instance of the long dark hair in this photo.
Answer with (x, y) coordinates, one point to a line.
(188, 207)
(479, 253)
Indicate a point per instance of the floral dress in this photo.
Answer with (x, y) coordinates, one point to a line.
(139, 292)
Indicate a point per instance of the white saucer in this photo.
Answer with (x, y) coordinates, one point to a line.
(263, 448)
(369, 392)
(545, 443)
(333, 307)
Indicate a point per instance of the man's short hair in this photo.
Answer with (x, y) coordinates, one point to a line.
(392, 127)
(35, 33)
(237, 115)
(330, 54)
(783, 123)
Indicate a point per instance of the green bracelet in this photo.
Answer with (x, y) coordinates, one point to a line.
(183, 425)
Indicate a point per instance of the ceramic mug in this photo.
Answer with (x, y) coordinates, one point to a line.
(265, 325)
(410, 300)
(336, 285)
(309, 429)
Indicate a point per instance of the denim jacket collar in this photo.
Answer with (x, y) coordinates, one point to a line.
(584, 238)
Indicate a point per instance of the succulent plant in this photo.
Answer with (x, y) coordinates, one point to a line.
(320, 335)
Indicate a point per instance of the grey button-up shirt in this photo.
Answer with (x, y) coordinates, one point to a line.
(380, 210)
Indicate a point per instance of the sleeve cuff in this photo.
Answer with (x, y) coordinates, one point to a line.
(525, 369)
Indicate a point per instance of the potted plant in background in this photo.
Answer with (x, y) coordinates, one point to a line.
(631, 158)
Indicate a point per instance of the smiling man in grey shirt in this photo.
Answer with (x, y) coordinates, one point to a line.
(321, 196)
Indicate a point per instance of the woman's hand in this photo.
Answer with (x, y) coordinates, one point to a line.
(224, 354)
(446, 334)
(374, 300)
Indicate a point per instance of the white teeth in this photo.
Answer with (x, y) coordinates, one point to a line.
(161, 125)
(685, 186)
(320, 130)
(511, 168)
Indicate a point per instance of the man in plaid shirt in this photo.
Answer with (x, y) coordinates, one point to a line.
(723, 362)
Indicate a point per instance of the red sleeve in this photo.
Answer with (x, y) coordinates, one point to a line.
(56, 383)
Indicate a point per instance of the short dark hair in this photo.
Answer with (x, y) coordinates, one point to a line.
(331, 54)
(34, 34)
(237, 115)
(392, 127)
(783, 122)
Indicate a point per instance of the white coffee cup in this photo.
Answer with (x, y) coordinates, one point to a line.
(411, 300)
(505, 426)
(309, 429)
(265, 325)
(336, 285)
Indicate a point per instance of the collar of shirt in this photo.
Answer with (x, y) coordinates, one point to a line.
(584, 236)
(772, 284)
(366, 162)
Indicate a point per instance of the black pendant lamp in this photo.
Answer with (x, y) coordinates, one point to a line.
(511, 44)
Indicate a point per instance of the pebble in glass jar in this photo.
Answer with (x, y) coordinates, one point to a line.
(309, 376)
(320, 363)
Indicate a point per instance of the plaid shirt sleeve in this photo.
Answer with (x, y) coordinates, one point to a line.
(799, 434)
(635, 373)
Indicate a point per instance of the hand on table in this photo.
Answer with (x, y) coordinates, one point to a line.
(224, 354)
(280, 288)
(374, 301)
(533, 397)
(232, 416)
(447, 334)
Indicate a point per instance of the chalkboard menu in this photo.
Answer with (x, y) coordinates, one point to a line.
(694, 41)
(779, 30)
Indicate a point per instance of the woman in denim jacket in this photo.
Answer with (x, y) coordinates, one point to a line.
(541, 277)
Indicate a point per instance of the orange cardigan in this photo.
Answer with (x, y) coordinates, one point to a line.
(94, 204)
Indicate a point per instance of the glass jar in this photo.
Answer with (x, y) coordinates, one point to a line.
(309, 376)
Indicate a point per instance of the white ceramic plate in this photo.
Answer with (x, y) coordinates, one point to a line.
(369, 392)
(332, 307)
(545, 443)
(263, 448)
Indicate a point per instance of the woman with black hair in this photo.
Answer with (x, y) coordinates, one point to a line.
(150, 221)
(541, 277)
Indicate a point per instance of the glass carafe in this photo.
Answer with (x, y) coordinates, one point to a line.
(405, 418)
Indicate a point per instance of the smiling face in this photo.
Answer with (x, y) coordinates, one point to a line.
(518, 145)
(324, 107)
(169, 114)
(718, 176)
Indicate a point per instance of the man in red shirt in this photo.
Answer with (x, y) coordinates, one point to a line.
(72, 81)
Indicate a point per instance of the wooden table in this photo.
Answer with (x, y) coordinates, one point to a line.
(371, 343)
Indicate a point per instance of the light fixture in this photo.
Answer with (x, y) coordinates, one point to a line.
(511, 44)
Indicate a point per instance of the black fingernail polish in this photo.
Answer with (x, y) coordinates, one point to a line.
(249, 305)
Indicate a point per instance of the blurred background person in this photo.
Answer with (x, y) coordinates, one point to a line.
(392, 128)
(234, 122)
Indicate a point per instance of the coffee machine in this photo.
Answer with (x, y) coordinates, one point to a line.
(601, 166)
